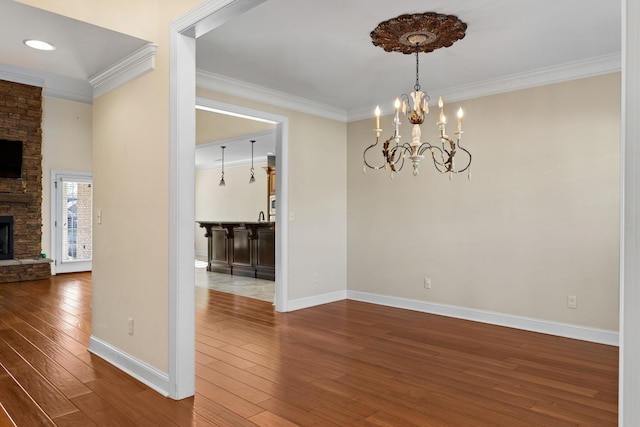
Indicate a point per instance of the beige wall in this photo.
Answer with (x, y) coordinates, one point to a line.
(66, 145)
(538, 221)
(317, 198)
(236, 201)
(130, 178)
(130, 166)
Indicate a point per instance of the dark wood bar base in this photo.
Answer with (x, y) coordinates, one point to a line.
(241, 248)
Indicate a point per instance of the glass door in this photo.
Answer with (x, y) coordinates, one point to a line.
(74, 231)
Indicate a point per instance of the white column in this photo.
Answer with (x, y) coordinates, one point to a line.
(629, 410)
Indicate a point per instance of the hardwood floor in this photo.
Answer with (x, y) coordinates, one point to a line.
(340, 364)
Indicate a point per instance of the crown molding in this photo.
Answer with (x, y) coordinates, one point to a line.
(13, 74)
(218, 83)
(54, 92)
(52, 85)
(570, 71)
(128, 69)
(133, 66)
(143, 61)
(544, 76)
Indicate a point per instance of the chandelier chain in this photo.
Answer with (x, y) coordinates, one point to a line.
(417, 85)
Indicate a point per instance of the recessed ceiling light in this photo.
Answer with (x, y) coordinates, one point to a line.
(39, 44)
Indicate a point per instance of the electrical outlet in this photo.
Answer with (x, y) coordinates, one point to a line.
(130, 326)
(316, 278)
(572, 301)
(427, 283)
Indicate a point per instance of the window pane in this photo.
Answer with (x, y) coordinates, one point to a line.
(76, 227)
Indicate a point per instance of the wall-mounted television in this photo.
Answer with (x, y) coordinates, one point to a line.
(10, 159)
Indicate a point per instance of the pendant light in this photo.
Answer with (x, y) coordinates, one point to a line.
(222, 183)
(253, 178)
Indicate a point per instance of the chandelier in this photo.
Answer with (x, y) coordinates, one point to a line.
(412, 34)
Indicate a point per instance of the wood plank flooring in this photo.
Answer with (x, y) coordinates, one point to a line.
(341, 364)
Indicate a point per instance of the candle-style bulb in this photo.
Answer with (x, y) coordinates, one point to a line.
(396, 105)
(460, 113)
(440, 102)
(377, 113)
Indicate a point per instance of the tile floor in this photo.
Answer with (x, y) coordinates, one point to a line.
(245, 286)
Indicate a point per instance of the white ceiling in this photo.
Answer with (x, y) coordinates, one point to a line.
(320, 53)
(237, 151)
(82, 50)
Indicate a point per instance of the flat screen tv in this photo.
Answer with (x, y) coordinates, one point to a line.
(10, 159)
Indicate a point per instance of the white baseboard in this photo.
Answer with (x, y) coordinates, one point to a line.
(201, 253)
(159, 381)
(147, 374)
(299, 304)
(601, 336)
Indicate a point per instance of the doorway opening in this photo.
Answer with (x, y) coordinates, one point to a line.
(184, 31)
(235, 223)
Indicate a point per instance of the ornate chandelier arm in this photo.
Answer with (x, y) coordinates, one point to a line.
(433, 149)
(397, 156)
(454, 146)
(447, 164)
(426, 146)
(442, 165)
(392, 156)
(468, 154)
(364, 157)
(387, 153)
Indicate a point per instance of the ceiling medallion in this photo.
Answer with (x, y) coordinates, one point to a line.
(418, 32)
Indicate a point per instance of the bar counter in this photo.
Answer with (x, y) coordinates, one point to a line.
(241, 248)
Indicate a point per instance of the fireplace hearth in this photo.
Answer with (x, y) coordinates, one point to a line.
(6, 237)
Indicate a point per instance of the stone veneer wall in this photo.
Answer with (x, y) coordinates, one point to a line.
(20, 120)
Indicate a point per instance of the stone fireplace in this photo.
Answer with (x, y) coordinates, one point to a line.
(21, 197)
